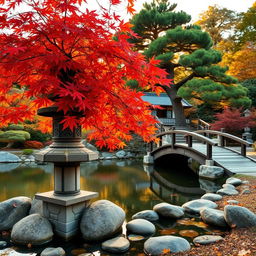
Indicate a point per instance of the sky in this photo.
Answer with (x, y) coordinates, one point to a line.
(194, 7)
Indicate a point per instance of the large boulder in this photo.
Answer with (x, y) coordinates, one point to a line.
(155, 246)
(101, 220)
(13, 210)
(238, 216)
(116, 245)
(208, 185)
(195, 206)
(140, 227)
(169, 210)
(147, 215)
(213, 217)
(33, 229)
(36, 207)
(210, 172)
(6, 157)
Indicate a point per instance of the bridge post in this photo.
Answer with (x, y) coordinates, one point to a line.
(209, 151)
(243, 149)
(173, 139)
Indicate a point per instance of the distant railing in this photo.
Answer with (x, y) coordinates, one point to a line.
(202, 125)
(222, 137)
(189, 140)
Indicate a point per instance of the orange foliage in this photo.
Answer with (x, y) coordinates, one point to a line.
(243, 65)
(33, 144)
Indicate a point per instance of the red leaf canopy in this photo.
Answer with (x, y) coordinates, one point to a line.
(81, 59)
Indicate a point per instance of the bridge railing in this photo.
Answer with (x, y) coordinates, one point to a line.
(189, 140)
(223, 137)
(202, 125)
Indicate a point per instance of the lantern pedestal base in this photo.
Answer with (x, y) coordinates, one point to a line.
(65, 212)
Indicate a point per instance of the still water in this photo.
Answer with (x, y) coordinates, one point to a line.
(127, 184)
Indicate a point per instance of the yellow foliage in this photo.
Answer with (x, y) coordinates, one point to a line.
(244, 63)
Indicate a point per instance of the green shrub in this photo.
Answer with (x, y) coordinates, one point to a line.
(15, 127)
(38, 135)
(27, 151)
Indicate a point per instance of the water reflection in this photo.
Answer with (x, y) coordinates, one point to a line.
(125, 183)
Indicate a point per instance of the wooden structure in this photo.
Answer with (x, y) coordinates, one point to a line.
(165, 113)
(200, 146)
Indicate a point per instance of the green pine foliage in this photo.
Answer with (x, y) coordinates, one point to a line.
(186, 53)
(250, 85)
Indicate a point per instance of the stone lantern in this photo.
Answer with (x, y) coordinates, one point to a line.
(247, 135)
(63, 206)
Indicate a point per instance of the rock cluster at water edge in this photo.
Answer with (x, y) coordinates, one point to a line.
(101, 220)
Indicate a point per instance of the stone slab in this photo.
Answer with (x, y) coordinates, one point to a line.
(50, 197)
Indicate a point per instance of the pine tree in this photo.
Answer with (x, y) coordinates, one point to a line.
(186, 54)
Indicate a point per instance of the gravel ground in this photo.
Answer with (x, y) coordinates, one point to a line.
(238, 242)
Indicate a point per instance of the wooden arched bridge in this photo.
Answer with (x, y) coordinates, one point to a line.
(200, 146)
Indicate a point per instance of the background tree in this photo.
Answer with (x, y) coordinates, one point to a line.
(218, 22)
(187, 56)
(60, 53)
(12, 134)
(246, 28)
(243, 65)
(250, 85)
(233, 121)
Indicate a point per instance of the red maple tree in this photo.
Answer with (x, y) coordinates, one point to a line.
(233, 120)
(59, 52)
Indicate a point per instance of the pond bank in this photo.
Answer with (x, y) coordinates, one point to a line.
(238, 242)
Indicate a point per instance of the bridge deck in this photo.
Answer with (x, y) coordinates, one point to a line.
(228, 159)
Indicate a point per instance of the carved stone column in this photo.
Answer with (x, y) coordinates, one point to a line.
(63, 206)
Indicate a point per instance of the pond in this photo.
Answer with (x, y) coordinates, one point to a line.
(127, 183)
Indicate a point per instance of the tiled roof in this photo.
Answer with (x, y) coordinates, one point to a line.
(162, 99)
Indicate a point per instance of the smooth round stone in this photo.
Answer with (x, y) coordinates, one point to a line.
(53, 252)
(101, 220)
(232, 202)
(36, 207)
(213, 217)
(207, 239)
(228, 186)
(195, 206)
(3, 244)
(140, 227)
(33, 229)
(155, 246)
(211, 197)
(227, 192)
(147, 215)
(169, 210)
(134, 238)
(116, 245)
(234, 181)
(245, 191)
(238, 216)
(13, 210)
(245, 182)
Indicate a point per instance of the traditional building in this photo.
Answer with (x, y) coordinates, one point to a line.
(165, 114)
